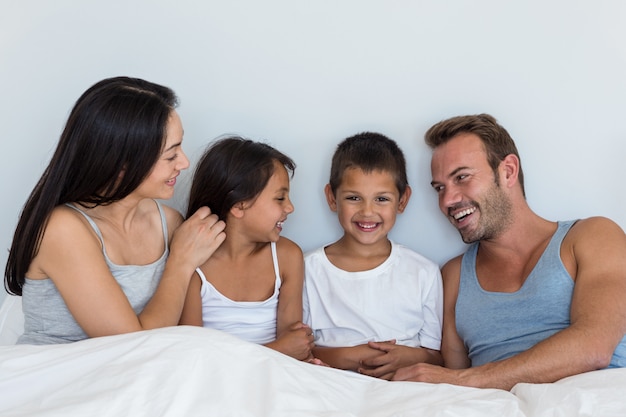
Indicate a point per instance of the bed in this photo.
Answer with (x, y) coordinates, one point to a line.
(191, 371)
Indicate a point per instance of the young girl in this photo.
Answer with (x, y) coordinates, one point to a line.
(90, 252)
(251, 286)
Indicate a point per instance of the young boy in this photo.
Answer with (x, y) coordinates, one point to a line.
(374, 306)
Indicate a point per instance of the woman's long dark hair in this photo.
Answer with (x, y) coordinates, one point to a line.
(113, 137)
(232, 170)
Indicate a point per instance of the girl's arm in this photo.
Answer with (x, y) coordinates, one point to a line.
(192, 310)
(291, 264)
(71, 255)
(293, 338)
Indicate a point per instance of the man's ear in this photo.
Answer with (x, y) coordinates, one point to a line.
(330, 198)
(404, 199)
(238, 210)
(509, 169)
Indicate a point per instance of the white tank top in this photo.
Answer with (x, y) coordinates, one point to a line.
(254, 321)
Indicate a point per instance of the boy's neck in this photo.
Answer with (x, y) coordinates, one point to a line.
(353, 256)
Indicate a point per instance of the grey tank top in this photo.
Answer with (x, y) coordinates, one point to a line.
(47, 319)
(497, 325)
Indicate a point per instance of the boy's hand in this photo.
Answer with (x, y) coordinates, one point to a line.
(348, 357)
(395, 357)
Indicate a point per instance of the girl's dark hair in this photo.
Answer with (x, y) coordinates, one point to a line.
(113, 137)
(369, 151)
(232, 170)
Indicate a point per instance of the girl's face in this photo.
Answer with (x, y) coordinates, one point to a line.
(266, 214)
(161, 180)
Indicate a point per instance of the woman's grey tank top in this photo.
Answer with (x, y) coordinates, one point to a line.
(47, 319)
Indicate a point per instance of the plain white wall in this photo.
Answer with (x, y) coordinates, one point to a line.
(305, 75)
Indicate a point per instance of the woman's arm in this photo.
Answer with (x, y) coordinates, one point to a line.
(70, 254)
(193, 242)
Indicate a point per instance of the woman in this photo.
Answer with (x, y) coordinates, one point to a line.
(94, 253)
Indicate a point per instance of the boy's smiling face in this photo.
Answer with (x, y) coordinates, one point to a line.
(366, 204)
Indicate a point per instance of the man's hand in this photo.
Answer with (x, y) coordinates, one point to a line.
(425, 372)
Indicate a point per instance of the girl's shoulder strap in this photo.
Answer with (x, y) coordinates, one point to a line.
(275, 260)
(201, 275)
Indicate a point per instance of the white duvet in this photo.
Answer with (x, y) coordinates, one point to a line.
(191, 371)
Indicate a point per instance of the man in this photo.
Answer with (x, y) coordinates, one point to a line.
(531, 300)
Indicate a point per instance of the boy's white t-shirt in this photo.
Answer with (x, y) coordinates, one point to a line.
(401, 299)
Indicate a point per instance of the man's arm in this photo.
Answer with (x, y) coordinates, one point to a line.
(452, 347)
(594, 251)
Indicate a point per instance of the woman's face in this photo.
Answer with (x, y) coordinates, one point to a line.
(161, 180)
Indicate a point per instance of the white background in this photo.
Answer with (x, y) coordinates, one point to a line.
(302, 76)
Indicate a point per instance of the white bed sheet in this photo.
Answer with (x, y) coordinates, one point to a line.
(191, 371)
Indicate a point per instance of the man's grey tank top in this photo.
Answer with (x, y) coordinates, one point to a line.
(47, 319)
(498, 325)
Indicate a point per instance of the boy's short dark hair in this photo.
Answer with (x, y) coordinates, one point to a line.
(369, 151)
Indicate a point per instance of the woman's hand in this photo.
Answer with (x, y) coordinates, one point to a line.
(197, 238)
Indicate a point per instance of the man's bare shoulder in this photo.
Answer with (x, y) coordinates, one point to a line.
(594, 244)
(596, 221)
(594, 229)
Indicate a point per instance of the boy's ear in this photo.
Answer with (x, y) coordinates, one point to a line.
(330, 198)
(404, 199)
(238, 210)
